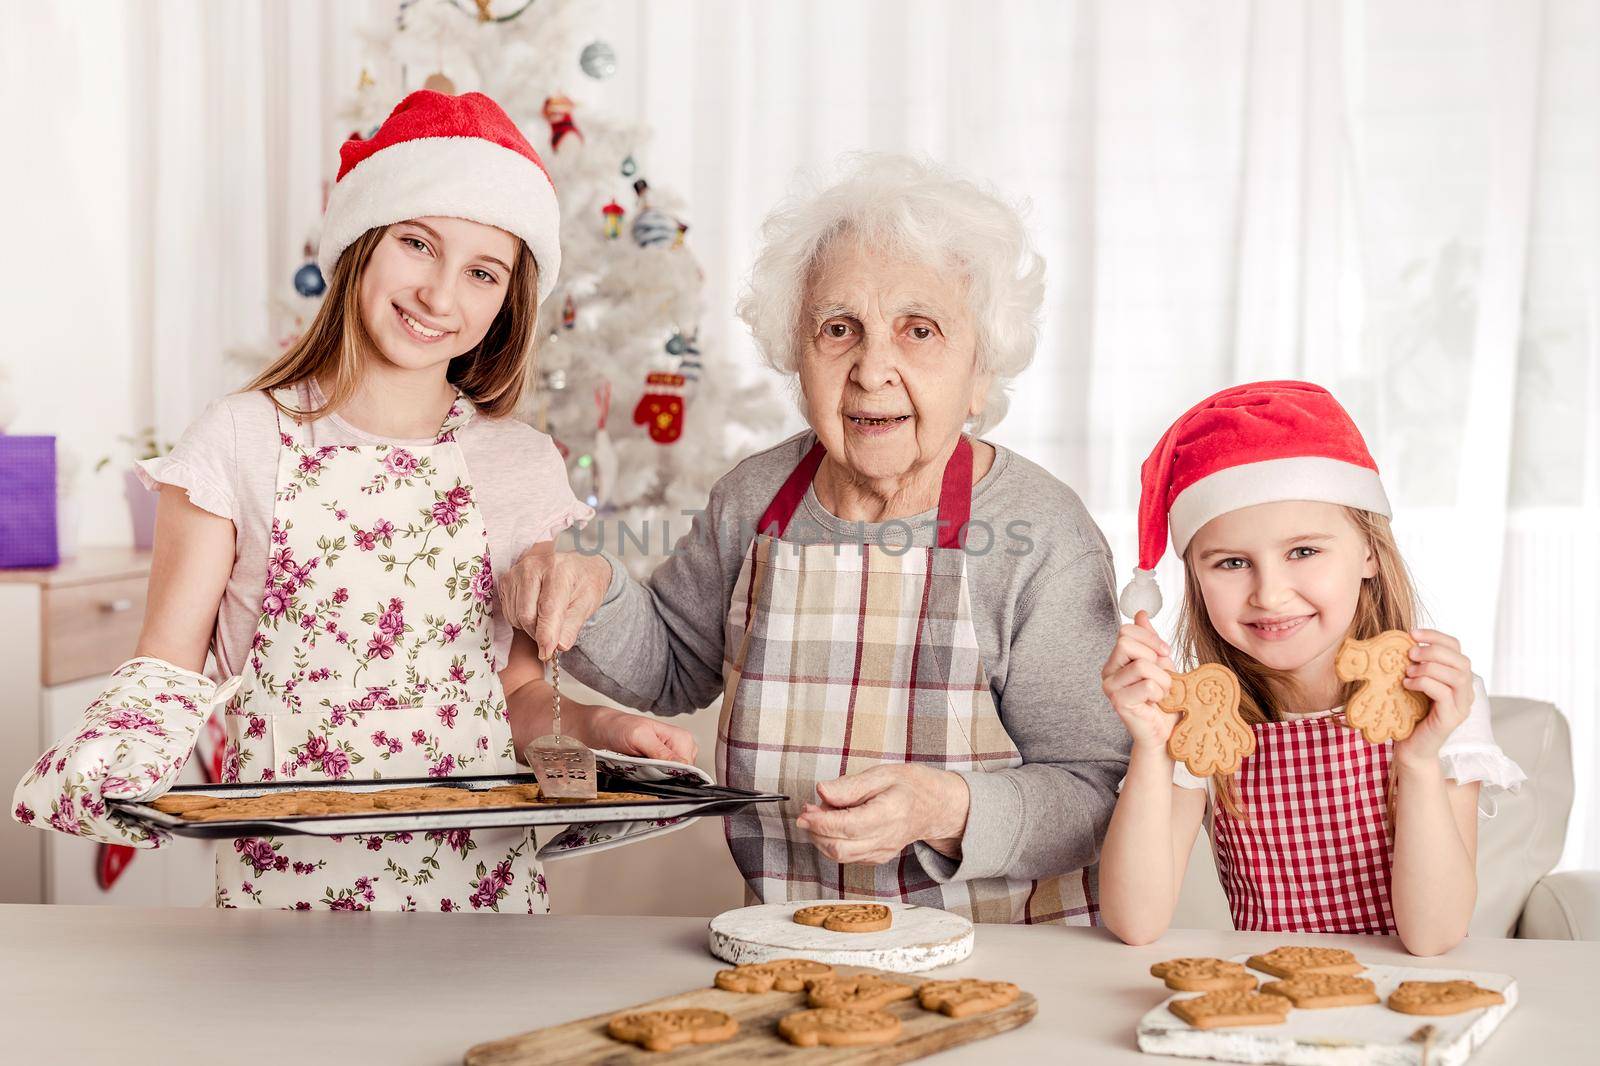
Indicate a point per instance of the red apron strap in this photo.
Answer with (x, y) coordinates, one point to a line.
(955, 495)
(783, 506)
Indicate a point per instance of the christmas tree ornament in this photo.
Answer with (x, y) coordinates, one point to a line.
(613, 212)
(483, 10)
(660, 409)
(683, 230)
(558, 112)
(629, 167)
(675, 343)
(598, 60)
(439, 82)
(308, 279)
(652, 228)
(690, 366)
(569, 313)
(604, 453)
(365, 81)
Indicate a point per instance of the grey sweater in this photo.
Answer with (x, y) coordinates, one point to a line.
(1044, 613)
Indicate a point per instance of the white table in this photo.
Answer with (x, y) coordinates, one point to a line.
(100, 984)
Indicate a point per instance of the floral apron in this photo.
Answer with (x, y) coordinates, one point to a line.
(1313, 852)
(845, 657)
(374, 658)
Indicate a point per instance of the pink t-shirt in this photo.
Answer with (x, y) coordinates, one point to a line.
(228, 462)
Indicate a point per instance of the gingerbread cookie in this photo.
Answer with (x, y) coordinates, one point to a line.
(1313, 991)
(663, 1030)
(839, 1028)
(966, 997)
(1382, 708)
(1219, 1010)
(1294, 961)
(786, 975)
(1204, 975)
(325, 802)
(867, 991)
(847, 917)
(1210, 738)
(1441, 997)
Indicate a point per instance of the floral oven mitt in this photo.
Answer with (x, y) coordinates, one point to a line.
(131, 744)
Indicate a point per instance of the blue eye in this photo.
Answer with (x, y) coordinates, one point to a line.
(1227, 564)
(1309, 552)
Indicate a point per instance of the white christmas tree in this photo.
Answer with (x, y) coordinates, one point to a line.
(621, 329)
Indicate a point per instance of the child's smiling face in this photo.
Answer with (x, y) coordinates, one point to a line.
(1281, 582)
(433, 288)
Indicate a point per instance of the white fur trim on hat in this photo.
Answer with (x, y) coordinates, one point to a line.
(454, 177)
(1303, 478)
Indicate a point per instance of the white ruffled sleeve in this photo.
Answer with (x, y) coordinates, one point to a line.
(1471, 754)
(202, 463)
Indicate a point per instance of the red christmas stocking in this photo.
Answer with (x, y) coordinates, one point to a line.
(661, 407)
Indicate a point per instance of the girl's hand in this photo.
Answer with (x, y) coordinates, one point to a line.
(1135, 678)
(1440, 672)
(638, 734)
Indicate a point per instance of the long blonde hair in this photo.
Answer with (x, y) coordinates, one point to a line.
(1388, 600)
(337, 345)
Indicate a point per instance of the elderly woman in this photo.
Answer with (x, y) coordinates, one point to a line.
(905, 622)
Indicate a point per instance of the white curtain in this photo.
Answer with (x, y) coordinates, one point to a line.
(164, 159)
(1399, 201)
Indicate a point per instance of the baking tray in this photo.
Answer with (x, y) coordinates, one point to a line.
(671, 799)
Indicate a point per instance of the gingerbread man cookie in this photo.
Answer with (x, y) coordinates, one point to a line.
(663, 1030)
(846, 917)
(867, 991)
(834, 1027)
(1218, 1010)
(786, 975)
(1210, 738)
(1441, 997)
(966, 997)
(1204, 975)
(1382, 709)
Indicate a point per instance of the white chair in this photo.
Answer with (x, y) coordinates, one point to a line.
(1517, 894)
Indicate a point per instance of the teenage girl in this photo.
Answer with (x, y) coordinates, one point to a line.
(329, 533)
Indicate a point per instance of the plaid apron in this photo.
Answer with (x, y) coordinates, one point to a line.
(844, 657)
(1314, 851)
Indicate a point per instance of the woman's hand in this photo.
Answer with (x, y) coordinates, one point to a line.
(870, 817)
(1440, 672)
(1135, 678)
(550, 595)
(638, 734)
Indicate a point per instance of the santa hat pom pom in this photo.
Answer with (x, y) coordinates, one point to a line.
(1141, 594)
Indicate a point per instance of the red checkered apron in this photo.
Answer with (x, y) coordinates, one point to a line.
(842, 657)
(1313, 852)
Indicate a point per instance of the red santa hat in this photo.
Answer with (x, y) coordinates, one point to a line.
(455, 156)
(1247, 445)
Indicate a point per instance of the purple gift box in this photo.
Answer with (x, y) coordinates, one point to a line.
(28, 501)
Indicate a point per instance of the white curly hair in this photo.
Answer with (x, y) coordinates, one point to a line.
(915, 210)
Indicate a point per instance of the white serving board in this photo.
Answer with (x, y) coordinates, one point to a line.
(920, 938)
(1339, 1036)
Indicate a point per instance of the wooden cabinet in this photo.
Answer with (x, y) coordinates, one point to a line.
(65, 629)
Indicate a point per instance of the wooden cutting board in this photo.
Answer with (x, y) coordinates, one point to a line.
(923, 1032)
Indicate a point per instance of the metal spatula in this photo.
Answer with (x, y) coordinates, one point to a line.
(564, 767)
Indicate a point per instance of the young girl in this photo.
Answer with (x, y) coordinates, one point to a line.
(328, 532)
(1275, 506)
